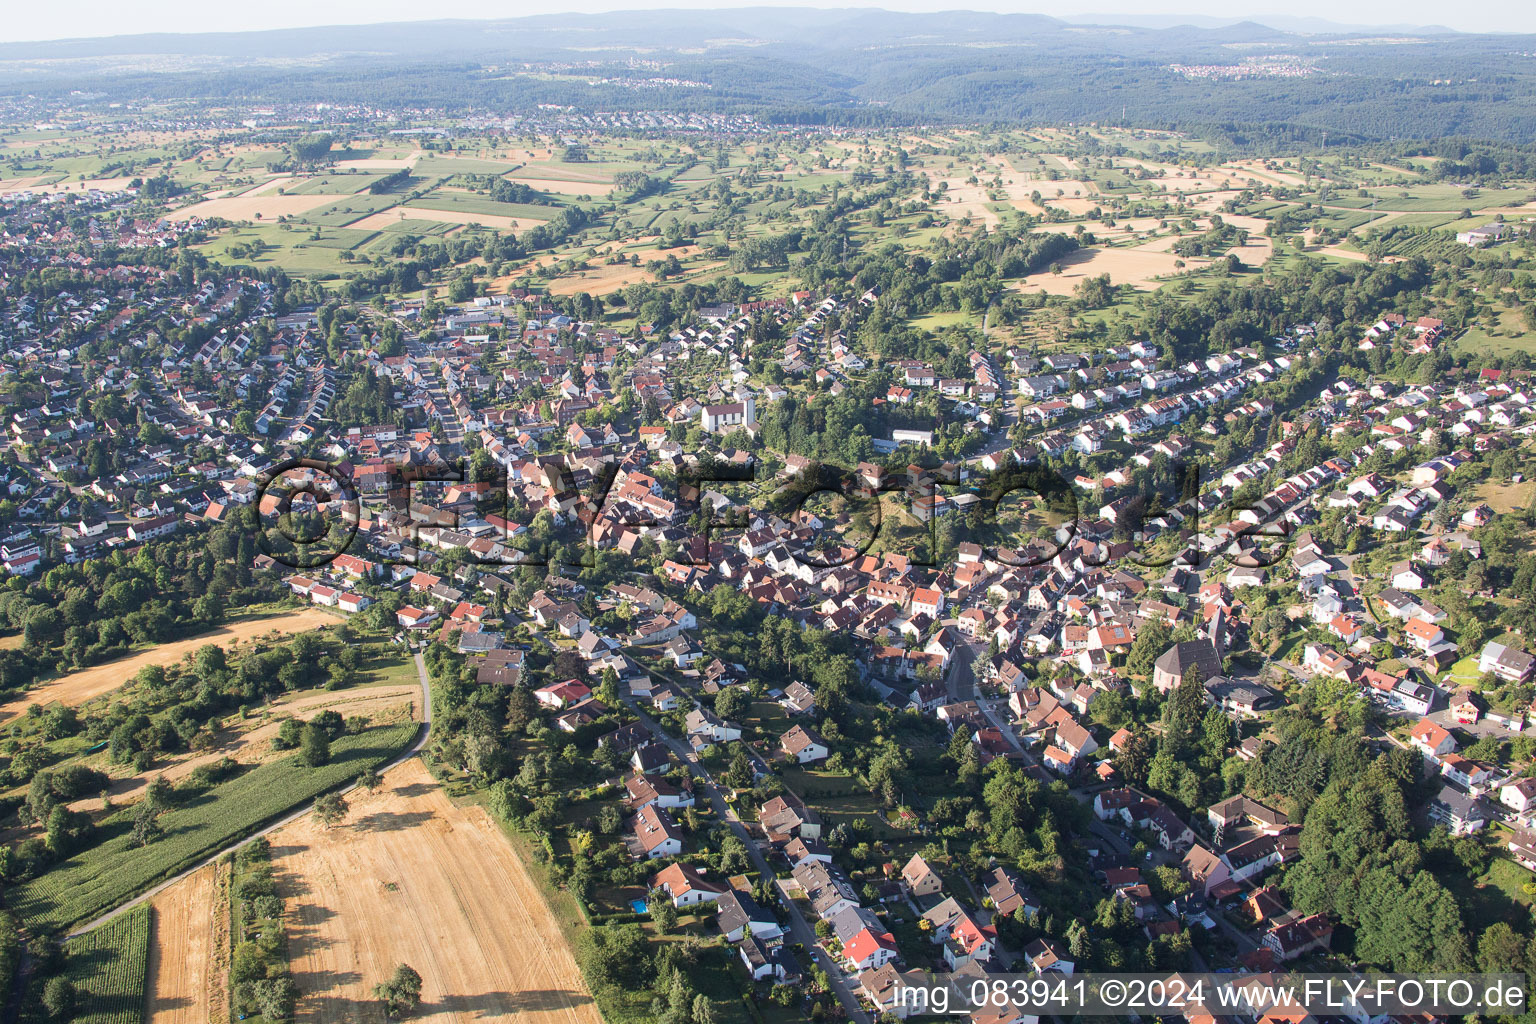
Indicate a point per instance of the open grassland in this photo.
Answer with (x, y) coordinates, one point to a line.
(1507, 497)
(86, 684)
(412, 878)
(109, 969)
(113, 870)
(1506, 334)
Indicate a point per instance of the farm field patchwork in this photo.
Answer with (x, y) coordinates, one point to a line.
(113, 870)
(187, 919)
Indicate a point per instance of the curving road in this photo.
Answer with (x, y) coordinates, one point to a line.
(410, 752)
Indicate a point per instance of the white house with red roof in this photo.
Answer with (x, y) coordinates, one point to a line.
(685, 886)
(1432, 739)
(562, 694)
(870, 949)
(414, 618)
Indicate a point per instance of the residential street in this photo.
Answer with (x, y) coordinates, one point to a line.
(801, 930)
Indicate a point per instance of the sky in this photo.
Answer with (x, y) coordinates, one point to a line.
(32, 21)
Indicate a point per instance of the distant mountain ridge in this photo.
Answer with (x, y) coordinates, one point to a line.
(818, 28)
(1236, 78)
(1290, 23)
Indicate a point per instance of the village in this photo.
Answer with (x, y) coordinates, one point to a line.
(1017, 657)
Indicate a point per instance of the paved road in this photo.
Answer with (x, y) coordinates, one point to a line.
(410, 752)
(962, 686)
(799, 928)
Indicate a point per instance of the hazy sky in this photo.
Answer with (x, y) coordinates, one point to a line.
(28, 21)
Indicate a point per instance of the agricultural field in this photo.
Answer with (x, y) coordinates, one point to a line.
(114, 870)
(184, 968)
(249, 740)
(87, 684)
(404, 879)
(1133, 205)
(108, 967)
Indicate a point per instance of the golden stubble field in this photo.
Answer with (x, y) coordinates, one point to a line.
(188, 954)
(252, 207)
(384, 220)
(411, 878)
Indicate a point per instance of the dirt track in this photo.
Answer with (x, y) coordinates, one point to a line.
(411, 878)
(79, 687)
(254, 746)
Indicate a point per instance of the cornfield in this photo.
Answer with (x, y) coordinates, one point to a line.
(99, 878)
(109, 967)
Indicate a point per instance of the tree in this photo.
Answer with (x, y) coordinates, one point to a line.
(314, 746)
(401, 993)
(311, 148)
(275, 997)
(146, 827)
(1216, 734)
(732, 703)
(370, 780)
(59, 998)
(330, 809)
(1151, 641)
(288, 734)
(739, 774)
(663, 912)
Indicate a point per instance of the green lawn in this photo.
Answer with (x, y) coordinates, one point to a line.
(1509, 879)
(389, 665)
(1462, 673)
(1507, 335)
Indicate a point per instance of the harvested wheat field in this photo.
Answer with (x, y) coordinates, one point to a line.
(252, 207)
(1256, 169)
(99, 184)
(390, 218)
(411, 878)
(182, 987)
(79, 687)
(600, 280)
(1259, 251)
(961, 200)
(1139, 268)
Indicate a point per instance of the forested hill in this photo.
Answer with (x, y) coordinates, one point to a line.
(836, 66)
